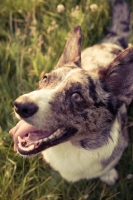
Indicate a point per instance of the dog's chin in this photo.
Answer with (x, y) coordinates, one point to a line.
(27, 147)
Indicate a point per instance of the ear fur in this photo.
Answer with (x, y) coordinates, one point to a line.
(72, 50)
(119, 76)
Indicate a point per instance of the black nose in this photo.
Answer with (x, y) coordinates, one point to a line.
(25, 108)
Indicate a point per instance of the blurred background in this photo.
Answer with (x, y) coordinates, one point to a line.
(32, 36)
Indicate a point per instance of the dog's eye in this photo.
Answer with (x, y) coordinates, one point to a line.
(44, 78)
(76, 97)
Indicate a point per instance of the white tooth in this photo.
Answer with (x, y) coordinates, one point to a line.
(51, 136)
(31, 147)
(19, 144)
(45, 139)
(20, 139)
(40, 140)
(57, 133)
(54, 134)
(37, 143)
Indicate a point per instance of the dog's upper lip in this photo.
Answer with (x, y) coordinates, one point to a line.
(23, 128)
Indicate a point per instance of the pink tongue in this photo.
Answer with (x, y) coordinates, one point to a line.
(22, 128)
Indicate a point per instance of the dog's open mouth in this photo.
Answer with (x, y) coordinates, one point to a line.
(29, 140)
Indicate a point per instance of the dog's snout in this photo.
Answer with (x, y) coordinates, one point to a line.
(25, 108)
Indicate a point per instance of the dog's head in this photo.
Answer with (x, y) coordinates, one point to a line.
(72, 103)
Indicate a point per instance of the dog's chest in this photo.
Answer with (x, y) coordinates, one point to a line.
(75, 163)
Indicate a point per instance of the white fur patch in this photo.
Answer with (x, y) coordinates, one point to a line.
(110, 177)
(75, 163)
(41, 99)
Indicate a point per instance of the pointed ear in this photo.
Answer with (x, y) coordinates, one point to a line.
(72, 50)
(119, 76)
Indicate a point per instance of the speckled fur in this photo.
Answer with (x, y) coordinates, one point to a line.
(102, 77)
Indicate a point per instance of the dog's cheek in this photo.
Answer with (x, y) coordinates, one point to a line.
(64, 112)
(58, 109)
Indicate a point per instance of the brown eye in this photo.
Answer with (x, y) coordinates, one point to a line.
(76, 97)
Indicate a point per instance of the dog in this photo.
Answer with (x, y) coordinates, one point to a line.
(77, 116)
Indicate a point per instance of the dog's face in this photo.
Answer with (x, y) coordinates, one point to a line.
(72, 103)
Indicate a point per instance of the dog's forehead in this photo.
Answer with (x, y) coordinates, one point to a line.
(58, 76)
(62, 74)
(74, 78)
(70, 73)
(68, 76)
(65, 70)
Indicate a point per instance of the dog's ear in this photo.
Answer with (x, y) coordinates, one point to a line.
(72, 50)
(119, 76)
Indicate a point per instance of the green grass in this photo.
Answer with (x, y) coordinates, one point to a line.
(32, 37)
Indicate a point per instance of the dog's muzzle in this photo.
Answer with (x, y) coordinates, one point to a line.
(29, 139)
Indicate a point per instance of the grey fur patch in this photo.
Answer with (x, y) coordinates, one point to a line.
(119, 31)
(122, 140)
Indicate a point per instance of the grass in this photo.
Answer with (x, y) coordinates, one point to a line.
(32, 37)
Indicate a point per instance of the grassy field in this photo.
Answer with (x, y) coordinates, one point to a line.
(32, 37)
